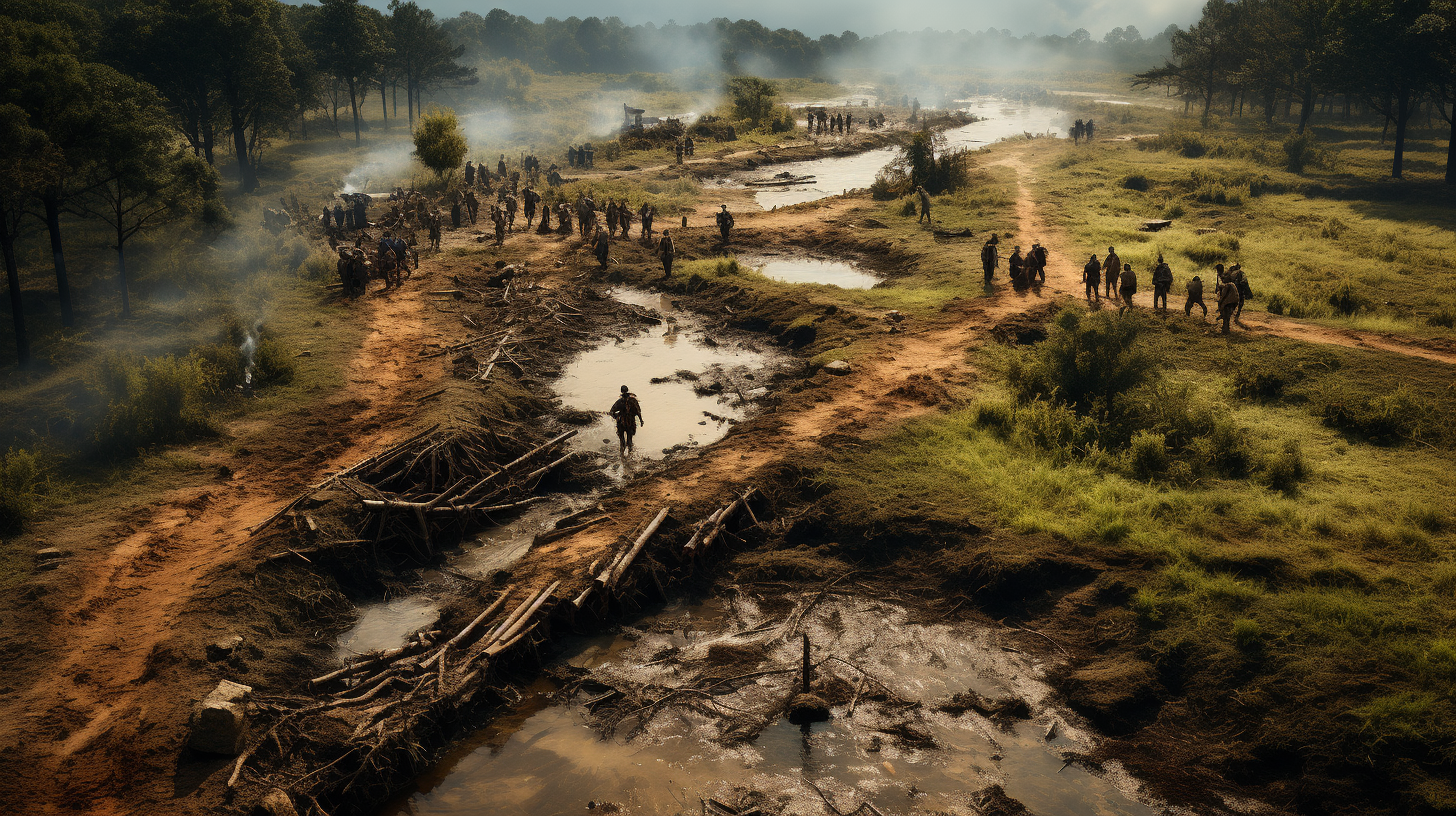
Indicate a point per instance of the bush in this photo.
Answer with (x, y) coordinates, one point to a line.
(1277, 305)
(1137, 181)
(1147, 456)
(1443, 318)
(152, 402)
(439, 141)
(753, 99)
(1086, 360)
(23, 482)
(1345, 300)
(1333, 228)
(909, 208)
(1384, 420)
(1259, 380)
(1286, 469)
(1248, 635)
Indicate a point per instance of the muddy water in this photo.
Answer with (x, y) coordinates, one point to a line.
(795, 269)
(1001, 119)
(386, 624)
(693, 388)
(548, 756)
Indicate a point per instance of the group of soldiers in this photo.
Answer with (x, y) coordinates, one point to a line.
(584, 156)
(1083, 130)
(1229, 292)
(685, 147)
(821, 123)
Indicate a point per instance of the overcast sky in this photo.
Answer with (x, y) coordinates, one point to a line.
(816, 17)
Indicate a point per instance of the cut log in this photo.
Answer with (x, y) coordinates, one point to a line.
(465, 633)
(622, 565)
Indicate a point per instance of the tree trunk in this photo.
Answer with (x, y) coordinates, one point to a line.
(204, 118)
(121, 274)
(12, 274)
(383, 105)
(1306, 105)
(1402, 117)
(409, 101)
(394, 96)
(246, 180)
(354, 106)
(1451, 152)
(63, 285)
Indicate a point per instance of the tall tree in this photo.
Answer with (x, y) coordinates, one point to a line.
(349, 45)
(423, 51)
(1390, 49)
(140, 181)
(1203, 56)
(27, 161)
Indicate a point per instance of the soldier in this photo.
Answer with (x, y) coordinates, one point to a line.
(849, 122)
(361, 219)
(472, 205)
(648, 211)
(511, 207)
(500, 167)
(532, 199)
(469, 174)
(989, 259)
(600, 247)
(667, 252)
(1112, 265)
(688, 146)
(1016, 266)
(545, 228)
(1092, 277)
(924, 206)
(1241, 283)
(1195, 297)
(725, 222)
(563, 218)
(1228, 302)
(1077, 132)
(611, 217)
(345, 217)
(455, 214)
(327, 219)
(627, 412)
(1127, 287)
(499, 217)
(1039, 252)
(624, 217)
(679, 152)
(434, 220)
(1162, 282)
(1088, 130)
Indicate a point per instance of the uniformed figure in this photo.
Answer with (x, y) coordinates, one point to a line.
(563, 218)
(667, 252)
(1241, 283)
(1092, 277)
(511, 206)
(924, 205)
(1016, 266)
(472, 205)
(1228, 302)
(611, 217)
(1127, 287)
(1112, 263)
(455, 214)
(628, 413)
(1162, 282)
(498, 216)
(361, 218)
(989, 259)
(647, 213)
(327, 219)
(532, 199)
(545, 227)
(624, 218)
(469, 174)
(500, 166)
(435, 231)
(725, 222)
(1039, 253)
(600, 247)
(1195, 297)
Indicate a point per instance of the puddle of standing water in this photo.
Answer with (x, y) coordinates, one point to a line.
(811, 270)
(386, 625)
(545, 757)
(696, 377)
(1002, 119)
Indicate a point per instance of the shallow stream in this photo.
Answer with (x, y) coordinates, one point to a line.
(550, 755)
(1001, 119)
(801, 269)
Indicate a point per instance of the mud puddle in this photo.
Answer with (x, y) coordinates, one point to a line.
(795, 269)
(386, 624)
(692, 387)
(1002, 119)
(685, 705)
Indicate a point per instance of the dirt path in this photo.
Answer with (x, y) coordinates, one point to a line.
(1068, 262)
(93, 685)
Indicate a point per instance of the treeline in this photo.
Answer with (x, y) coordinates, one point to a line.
(1394, 58)
(607, 45)
(123, 112)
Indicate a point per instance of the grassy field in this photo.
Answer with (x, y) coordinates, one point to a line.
(1315, 573)
(1337, 241)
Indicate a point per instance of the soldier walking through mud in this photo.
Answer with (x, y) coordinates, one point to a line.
(989, 259)
(1162, 282)
(1092, 277)
(666, 252)
(499, 217)
(472, 205)
(924, 206)
(600, 246)
(627, 411)
(725, 222)
(511, 207)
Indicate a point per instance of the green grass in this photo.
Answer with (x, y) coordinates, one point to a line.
(1300, 237)
(1338, 591)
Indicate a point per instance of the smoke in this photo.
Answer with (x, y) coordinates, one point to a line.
(249, 350)
(381, 168)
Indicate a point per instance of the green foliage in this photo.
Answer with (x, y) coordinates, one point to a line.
(1248, 635)
(753, 99)
(439, 141)
(1085, 362)
(1346, 300)
(1300, 150)
(1384, 419)
(24, 482)
(1136, 181)
(152, 402)
(1444, 317)
(1286, 469)
(505, 80)
(1147, 455)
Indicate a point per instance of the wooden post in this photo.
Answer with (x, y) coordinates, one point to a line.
(808, 679)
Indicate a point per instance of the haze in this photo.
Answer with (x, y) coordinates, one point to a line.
(816, 18)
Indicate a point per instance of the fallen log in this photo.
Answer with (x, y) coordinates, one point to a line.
(464, 633)
(626, 561)
(713, 526)
(462, 345)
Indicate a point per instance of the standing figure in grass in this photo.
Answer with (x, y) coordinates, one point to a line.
(1241, 283)
(1195, 296)
(1228, 302)
(624, 218)
(989, 259)
(1016, 265)
(1162, 282)
(667, 252)
(600, 247)
(1127, 287)
(627, 411)
(1092, 277)
(924, 206)
(1111, 264)
(725, 222)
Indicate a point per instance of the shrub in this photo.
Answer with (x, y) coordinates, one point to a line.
(1286, 469)
(1299, 150)
(152, 402)
(995, 417)
(1383, 420)
(439, 141)
(1257, 379)
(1206, 253)
(1248, 635)
(1147, 606)
(23, 483)
(1333, 228)
(1345, 300)
(1137, 181)
(1173, 210)
(1444, 318)
(1147, 455)
(1276, 305)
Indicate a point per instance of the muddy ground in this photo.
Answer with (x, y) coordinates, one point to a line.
(106, 655)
